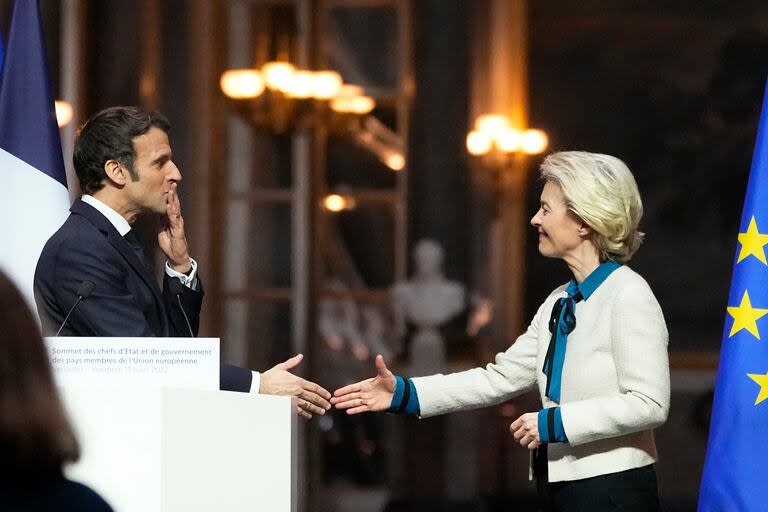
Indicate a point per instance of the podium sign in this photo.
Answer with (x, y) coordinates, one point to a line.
(191, 363)
(181, 450)
(158, 436)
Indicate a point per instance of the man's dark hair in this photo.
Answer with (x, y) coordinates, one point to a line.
(109, 135)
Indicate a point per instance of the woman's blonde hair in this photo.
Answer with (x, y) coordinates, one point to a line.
(601, 191)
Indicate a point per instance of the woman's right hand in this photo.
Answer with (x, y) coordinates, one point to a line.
(369, 395)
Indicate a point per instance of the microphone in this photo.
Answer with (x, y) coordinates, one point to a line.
(83, 291)
(176, 289)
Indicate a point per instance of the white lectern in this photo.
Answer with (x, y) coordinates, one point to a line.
(160, 449)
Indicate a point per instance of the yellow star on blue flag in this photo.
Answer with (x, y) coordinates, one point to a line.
(745, 316)
(752, 243)
(762, 381)
(734, 469)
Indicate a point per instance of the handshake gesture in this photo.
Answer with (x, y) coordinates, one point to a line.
(370, 395)
(367, 396)
(375, 394)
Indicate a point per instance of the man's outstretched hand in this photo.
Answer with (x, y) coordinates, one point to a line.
(278, 380)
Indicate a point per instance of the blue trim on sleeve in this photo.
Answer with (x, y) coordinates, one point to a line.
(398, 396)
(559, 429)
(413, 407)
(544, 426)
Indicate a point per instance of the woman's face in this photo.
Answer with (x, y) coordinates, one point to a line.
(560, 231)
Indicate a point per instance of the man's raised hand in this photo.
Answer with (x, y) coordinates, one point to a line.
(171, 237)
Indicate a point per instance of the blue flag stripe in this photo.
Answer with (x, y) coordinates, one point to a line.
(1, 53)
(25, 96)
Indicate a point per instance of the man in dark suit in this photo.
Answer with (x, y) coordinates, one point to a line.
(123, 161)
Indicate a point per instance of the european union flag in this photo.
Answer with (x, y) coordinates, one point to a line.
(734, 476)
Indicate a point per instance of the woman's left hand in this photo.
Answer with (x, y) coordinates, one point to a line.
(525, 430)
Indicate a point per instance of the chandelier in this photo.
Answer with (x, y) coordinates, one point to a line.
(280, 97)
(496, 141)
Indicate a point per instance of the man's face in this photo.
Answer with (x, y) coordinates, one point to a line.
(155, 169)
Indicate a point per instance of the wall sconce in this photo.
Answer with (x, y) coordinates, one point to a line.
(280, 96)
(336, 203)
(63, 112)
(493, 137)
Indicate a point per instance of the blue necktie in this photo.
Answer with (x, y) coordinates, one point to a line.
(563, 322)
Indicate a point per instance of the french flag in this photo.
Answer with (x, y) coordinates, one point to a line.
(34, 200)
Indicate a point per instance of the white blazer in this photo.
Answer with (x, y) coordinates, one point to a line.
(615, 379)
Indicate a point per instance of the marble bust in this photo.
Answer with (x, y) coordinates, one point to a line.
(426, 301)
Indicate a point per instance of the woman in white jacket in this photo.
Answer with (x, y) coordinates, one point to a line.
(596, 349)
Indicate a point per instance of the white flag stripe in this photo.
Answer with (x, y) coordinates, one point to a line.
(33, 207)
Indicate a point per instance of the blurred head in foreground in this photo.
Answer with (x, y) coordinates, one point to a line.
(35, 436)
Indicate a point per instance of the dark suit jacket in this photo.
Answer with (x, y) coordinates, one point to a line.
(126, 300)
(47, 493)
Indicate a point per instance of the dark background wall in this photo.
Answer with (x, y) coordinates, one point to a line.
(439, 185)
(673, 89)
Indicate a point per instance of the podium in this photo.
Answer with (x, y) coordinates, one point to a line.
(149, 448)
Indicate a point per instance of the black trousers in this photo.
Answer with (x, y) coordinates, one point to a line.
(634, 490)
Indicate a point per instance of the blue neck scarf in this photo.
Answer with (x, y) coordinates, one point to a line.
(563, 322)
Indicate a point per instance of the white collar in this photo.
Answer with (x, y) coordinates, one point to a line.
(117, 220)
